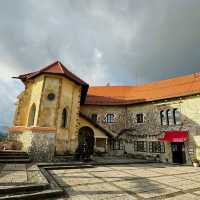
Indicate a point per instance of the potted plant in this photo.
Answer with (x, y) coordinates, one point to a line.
(195, 162)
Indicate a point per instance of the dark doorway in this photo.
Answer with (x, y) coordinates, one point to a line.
(86, 142)
(178, 152)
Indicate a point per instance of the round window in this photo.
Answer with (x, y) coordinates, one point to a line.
(51, 96)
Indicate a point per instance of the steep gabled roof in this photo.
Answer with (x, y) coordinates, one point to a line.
(54, 68)
(158, 90)
(57, 68)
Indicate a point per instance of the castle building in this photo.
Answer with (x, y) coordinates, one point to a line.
(58, 111)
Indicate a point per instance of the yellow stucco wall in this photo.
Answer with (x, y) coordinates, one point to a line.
(48, 108)
(22, 106)
(69, 99)
(101, 139)
(30, 95)
(35, 95)
(49, 113)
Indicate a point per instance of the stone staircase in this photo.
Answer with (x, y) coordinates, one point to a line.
(44, 188)
(11, 156)
(27, 192)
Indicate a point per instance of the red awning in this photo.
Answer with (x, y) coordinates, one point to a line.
(175, 136)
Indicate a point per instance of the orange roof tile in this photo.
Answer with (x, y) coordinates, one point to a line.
(57, 68)
(164, 89)
(54, 68)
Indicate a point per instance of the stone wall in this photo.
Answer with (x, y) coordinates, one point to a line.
(101, 111)
(189, 108)
(154, 130)
(39, 145)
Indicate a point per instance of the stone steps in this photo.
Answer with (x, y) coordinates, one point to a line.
(42, 190)
(8, 160)
(12, 152)
(27, 195)
(6, 191)
(10, 189)
(14, 157)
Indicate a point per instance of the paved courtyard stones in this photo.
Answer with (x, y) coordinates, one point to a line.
(131, 181)
(187, 196)
(17, 174)
(119, 182)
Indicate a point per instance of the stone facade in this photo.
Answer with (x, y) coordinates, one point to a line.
(151, 129)
(101, 111)
(40, 145)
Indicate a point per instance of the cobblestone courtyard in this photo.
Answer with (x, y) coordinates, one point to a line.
(131, 182)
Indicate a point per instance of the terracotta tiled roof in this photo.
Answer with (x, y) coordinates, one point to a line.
(57, 68)
(54, 68)
(158, 90)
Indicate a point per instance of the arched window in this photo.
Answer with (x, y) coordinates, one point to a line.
(64, 118)
(162, 117)
(176, 116)
(168, 116)
(31, 118)
(170, 120)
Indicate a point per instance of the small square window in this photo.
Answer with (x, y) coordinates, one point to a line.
(110, 118)
(140, 146)
(156, 147)
(140, 118)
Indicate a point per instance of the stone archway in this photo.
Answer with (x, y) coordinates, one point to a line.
(85, 142)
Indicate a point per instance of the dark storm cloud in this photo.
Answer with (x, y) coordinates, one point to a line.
(121, 42)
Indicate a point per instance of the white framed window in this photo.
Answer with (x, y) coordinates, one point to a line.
(110, 118)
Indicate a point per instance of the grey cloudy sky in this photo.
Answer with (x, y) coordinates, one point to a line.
(116, 41)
